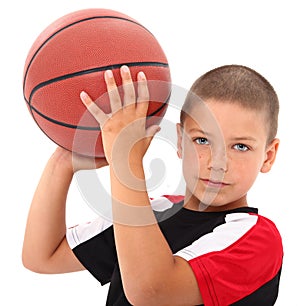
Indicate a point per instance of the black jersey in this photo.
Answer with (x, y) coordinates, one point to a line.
(236, 255)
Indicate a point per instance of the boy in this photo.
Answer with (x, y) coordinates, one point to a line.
(209, 247)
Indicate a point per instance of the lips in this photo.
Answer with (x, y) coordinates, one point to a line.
(214, 184)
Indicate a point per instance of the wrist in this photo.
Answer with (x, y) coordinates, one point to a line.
(136, 167)
(61, 162)
(129, 174)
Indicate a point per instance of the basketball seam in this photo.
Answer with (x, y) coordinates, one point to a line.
(70, 25)
(88, 128)
(91, 70)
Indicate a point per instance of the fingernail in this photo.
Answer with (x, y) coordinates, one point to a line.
(125, 68)
(141, 76)
(83, 95)
(108, 74)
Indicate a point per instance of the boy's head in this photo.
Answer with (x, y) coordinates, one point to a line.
(227, 135)
(240, 85)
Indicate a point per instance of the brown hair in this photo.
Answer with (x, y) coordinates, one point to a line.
(237, 84)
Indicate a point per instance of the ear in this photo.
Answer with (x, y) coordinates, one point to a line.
(179, 139)
(271, 153)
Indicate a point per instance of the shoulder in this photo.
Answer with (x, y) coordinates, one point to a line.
(232, 256)
(266, 238)
(245, 231)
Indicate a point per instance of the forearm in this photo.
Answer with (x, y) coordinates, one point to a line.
(144, 254)
(46, 225)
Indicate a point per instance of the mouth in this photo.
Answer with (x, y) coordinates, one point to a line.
(214, 184)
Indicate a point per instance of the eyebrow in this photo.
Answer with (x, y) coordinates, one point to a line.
(199, 131)
(247, 138)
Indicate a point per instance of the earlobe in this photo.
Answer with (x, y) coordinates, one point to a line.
(179, 140)
(271, 153)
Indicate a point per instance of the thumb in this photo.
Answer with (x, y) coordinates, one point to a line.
(152, 130)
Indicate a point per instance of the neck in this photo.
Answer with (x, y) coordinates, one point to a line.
(193, 203)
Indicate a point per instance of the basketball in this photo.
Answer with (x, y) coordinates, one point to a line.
(71, 55)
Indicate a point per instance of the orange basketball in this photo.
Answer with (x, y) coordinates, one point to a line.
(71, 55)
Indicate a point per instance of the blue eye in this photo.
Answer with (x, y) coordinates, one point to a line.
(201, 141)
(241, 147)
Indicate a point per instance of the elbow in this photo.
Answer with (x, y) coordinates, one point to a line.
(32, 264)
(141, 298)
(34, 267)
(26, 260)
(144, 294)
(29, 264)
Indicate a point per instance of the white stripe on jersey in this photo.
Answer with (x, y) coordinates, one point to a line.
(83, 232)
(236, 226)
(161, 203)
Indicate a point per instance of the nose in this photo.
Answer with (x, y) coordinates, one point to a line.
(218, 160)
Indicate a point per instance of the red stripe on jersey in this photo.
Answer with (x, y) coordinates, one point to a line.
(233, 273)
(174, 198)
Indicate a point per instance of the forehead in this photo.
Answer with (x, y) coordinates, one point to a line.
(228, 118)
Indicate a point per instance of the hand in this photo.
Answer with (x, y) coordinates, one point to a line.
(75, 162)
(124, 132)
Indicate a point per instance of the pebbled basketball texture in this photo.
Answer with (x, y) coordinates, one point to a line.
(71, 55)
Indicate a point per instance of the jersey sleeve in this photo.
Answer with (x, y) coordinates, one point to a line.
(94, 246)
(234, 261)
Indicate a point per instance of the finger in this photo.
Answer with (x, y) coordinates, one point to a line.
(143, 93)
(128, 87)
(112, 90)
(151, 131)
(92, 107)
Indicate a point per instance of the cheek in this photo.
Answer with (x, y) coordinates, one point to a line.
(190, 171)
(193, 161)
(245, 172)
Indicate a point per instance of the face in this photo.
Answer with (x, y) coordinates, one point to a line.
(223, 148)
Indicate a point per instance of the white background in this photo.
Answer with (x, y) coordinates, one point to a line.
(196, 36)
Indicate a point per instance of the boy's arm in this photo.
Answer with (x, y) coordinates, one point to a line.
(151, 275)
(45, 249)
